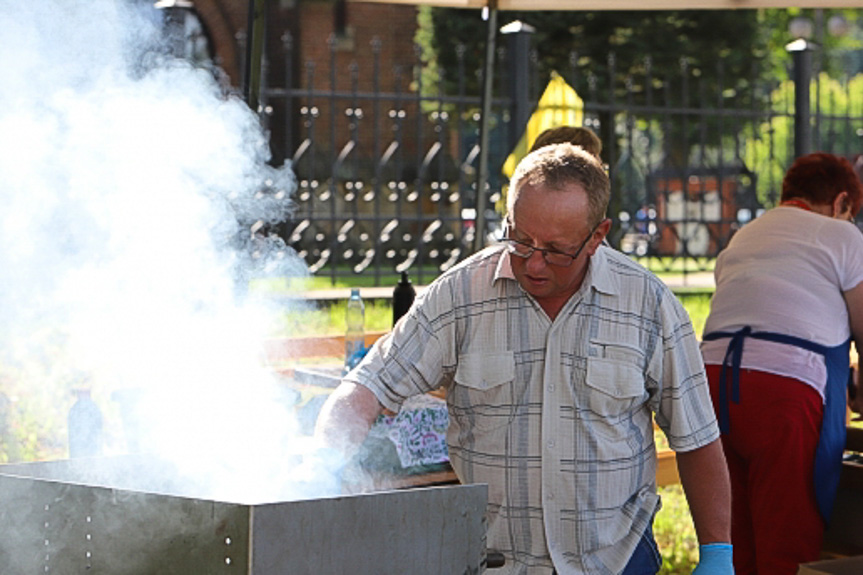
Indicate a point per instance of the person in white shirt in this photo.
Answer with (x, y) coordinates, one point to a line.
(789, 298)
(556, 353)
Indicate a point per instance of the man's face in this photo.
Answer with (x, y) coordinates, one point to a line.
(555, 220)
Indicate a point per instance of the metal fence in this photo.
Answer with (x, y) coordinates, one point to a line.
(386, 166)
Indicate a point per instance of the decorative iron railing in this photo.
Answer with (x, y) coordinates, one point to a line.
(386, 167)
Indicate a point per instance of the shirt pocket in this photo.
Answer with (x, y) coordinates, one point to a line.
(614, 389)
(482, 397)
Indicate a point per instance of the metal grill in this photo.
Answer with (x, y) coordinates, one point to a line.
(134, 516)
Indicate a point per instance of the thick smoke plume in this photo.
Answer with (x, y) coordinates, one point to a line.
(129, 183)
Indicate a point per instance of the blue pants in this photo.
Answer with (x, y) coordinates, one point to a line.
(646, 559)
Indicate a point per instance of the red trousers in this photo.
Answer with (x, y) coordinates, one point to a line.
(770, 449)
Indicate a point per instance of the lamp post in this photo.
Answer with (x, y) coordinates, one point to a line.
(801, 53)
(519, 38)
(254, 52)
(804, 68)
(490, 15)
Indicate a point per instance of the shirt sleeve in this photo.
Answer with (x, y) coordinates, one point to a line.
(683, 409)
(849, 260)
(408, 361)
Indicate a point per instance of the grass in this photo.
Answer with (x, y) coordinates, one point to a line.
(282, 285)
(675, 533)
(328, 318)
(697, 305)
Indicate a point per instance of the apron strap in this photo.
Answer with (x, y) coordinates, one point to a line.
(734, 355)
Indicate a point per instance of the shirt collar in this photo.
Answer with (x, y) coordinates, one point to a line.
(599, 274)
(504, 268)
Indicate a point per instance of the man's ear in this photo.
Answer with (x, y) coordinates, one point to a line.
(603, 228)
(599, 234)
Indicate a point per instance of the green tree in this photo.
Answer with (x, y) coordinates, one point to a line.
(831, 58)
(838, 128)
(694, 58)
(681, 59)
(744, 41)
(696, 39)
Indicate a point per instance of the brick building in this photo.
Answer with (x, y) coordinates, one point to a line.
(336, 35)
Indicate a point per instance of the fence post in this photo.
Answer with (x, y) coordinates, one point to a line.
(254, 52)
(518, 45)
(801, 53)
(487, 91)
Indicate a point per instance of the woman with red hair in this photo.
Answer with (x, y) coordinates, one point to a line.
(788, 302)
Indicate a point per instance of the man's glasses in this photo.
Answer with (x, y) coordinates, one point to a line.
(551, 257)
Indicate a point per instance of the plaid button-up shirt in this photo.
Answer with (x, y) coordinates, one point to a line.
(555, 416)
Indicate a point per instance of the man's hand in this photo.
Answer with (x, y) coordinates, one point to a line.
(715, 559)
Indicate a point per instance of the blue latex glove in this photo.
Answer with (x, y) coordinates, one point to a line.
(715, 559)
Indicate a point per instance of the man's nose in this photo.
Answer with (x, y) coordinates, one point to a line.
(536, 260)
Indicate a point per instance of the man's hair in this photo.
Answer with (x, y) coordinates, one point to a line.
(576, 135)
(557, 165)
(820, 177)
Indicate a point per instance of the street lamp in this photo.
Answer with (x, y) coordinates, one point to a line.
(837, 25)
(801, 54)
(800, 27)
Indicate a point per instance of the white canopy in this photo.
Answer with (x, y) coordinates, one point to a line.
(527, 5)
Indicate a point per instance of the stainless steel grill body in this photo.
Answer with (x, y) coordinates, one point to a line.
(70, 517)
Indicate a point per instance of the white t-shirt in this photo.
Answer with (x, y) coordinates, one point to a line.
(785, 273)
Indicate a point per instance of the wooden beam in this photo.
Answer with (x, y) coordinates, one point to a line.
(562, 5)
(666, 468)
(281, 350)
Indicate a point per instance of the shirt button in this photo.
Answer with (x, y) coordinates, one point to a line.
(551, 444)
(551, 387)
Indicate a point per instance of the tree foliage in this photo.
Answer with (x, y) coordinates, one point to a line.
(646, 46)
(837, 129)
(726, 50)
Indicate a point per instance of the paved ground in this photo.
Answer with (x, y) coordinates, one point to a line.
(692, 280)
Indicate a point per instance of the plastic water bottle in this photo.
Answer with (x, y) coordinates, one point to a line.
(403, 296)
(85, 426)
(355, 335)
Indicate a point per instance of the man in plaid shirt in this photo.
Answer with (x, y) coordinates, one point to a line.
(556, 352)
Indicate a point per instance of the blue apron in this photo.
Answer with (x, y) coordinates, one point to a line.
(831, 442)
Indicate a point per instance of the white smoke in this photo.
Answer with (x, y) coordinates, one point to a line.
(128, 182)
